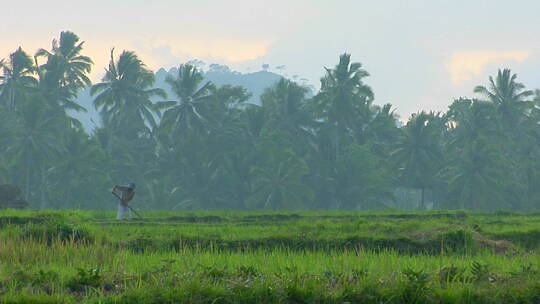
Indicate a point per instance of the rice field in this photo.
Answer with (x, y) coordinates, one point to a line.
(263, 257)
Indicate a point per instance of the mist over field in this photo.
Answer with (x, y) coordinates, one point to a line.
(284, 106)
(251, 151)
(201, 136)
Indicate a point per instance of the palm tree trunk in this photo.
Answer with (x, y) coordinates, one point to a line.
(422, 203)
(42, 187)
(12, 98)
(27, 179)
(337, 151)
(337, 142)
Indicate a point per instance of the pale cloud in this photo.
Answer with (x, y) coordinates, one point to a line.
(157, 52)
(219, 49)
(465, 65)
(167, 52)
(452, 45)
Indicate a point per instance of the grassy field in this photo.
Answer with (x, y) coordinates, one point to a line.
(262, 257)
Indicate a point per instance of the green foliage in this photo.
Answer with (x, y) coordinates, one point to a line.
(277, 180)
(46, 277)
(57, 231)
(457, 241)
(206, 147)
(85, 279)
(192, 109)
(449, 274)
(416, 286)
(124, 95)
(418, 153)
(36, 271)
(364, 180)
(479, 271)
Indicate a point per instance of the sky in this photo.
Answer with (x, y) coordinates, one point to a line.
(421, 54)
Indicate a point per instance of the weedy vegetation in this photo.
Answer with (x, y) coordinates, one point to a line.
(265, 257)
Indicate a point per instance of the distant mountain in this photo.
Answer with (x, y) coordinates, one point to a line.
(220, 75)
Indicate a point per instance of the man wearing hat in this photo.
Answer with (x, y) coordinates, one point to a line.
(126, 194)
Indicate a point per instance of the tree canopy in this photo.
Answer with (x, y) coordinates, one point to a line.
(207, 146)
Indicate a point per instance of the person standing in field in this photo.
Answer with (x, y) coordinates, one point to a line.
(126, 194)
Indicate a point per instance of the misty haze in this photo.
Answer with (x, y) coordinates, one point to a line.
(270, 152)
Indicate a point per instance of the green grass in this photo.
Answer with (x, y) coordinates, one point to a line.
(269, 257)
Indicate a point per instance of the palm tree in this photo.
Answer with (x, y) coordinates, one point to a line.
(470, 120)
(17, 79)
(34, 141)
(528, 158)
(65, 72)
(509, 96)
(363, 179)
(124, 95)
(192, 109)
(419, 152)
(77, 168)
(286, 103)
(477, 175)
(475, 154)
(380, 127)
(342, 96)
(536, 97)
(7, 128)
(4, 171)
(198, 168)
(278, 183)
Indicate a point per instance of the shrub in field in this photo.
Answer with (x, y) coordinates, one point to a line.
(12, 218)
(456, 241)
(19, 220)
(51, 226)
(196, 219)
(527, 239)
(505, 213)
(450, 274)
(140, 245)
(38, 299)
(214, 273)
(161, 273)
(480, 272)
(359, 274)
(43, 276)
(247, 272)
(369, 293)
(297, 293)
(40, 280)
(416, 286)
(85, 279)
(525, 270)
(45, 280)
(20, 277)
(57, 231)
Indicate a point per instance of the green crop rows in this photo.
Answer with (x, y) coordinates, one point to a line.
(256, 257)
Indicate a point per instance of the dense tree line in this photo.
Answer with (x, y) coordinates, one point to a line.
(205, 147)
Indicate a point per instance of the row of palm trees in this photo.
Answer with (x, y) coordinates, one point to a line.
(36, 96)
(205, 147)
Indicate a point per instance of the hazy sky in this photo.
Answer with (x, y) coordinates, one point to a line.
(420, 53)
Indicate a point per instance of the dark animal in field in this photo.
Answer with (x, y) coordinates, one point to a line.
(11, 197)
